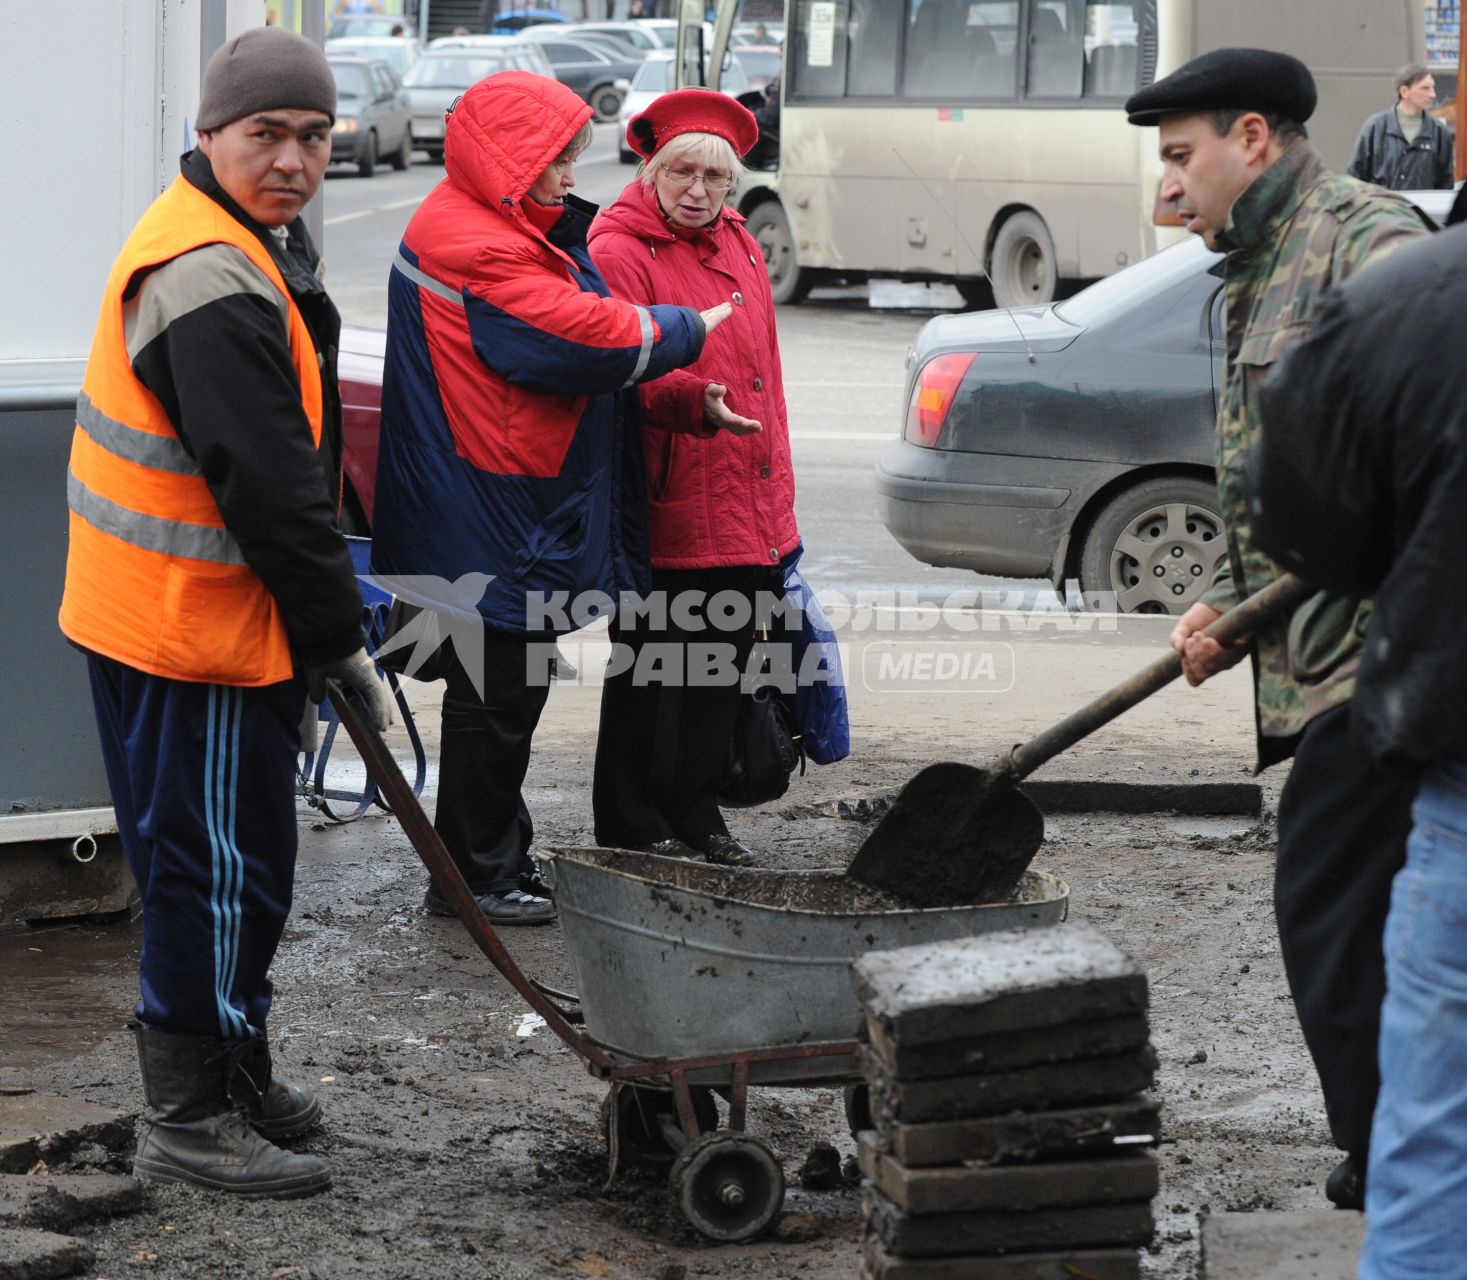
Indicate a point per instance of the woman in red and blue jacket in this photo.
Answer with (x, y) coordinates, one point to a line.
(510, 465)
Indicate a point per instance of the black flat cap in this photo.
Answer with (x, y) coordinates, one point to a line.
(1242, 79)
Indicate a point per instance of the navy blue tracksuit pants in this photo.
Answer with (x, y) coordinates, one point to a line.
(203, 782)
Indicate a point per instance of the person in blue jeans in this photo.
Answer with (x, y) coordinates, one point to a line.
(1359, 483)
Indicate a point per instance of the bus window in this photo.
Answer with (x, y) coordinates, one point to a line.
(816, 61)
(875, 31)
(961, 49)
(1056, 49)
(1111, 57)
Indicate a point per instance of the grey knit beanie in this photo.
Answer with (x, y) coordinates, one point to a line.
(264, 69)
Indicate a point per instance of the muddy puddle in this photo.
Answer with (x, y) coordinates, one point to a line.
(61, 987)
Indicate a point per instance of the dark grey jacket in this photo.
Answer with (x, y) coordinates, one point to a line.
(1384, 157)
(1359, 484)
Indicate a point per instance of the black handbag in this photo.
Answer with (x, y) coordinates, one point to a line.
(764, 751)
(431, 665)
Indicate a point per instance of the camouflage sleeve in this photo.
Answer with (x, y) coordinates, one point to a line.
(1222, 595)
(1380, 227)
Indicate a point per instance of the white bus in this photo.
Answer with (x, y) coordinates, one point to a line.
(983, 142)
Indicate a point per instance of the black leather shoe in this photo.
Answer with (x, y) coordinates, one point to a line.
(1345, 1186)
(725, 851)
(672, 847)
(510, 908)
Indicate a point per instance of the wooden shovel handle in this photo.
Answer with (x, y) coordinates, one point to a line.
(1237, 623)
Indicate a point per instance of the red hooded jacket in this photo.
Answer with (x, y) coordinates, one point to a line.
(715, 499)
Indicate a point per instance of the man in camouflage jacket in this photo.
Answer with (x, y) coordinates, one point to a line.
(1239, 170)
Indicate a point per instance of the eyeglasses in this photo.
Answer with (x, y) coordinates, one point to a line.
(713, 181)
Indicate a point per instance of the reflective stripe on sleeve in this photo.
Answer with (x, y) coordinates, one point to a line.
(160, 453)
(152, 533)
(645, 354)
(420, 277)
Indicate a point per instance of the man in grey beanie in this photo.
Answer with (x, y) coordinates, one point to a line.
(210, 589)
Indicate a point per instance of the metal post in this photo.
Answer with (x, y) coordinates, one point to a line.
(313, 27)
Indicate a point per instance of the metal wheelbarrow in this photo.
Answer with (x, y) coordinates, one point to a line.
(694, 980)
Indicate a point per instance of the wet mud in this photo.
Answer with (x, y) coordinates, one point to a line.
(466, 1141)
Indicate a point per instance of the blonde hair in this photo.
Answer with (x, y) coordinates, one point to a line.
(708, 149)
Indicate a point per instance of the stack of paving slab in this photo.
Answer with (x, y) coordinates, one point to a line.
(1008, 1076)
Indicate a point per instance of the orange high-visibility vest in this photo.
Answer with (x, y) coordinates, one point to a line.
(153, 578)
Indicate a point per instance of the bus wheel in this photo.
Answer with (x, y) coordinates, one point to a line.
(771, 232)
(1022, 267)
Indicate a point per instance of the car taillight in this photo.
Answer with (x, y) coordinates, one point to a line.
(932, 397)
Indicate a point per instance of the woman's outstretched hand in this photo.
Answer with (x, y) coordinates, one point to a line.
(719, 416)
(715, 316)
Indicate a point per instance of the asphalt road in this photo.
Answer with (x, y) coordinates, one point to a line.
(843, 367)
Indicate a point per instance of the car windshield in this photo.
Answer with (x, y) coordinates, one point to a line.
(451, 73)
(351, 81)
(1123, 290)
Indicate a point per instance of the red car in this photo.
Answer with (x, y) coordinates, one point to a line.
(359, 375)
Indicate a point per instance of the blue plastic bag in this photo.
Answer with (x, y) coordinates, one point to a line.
(819, 700)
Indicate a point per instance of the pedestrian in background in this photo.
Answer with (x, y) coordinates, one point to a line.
(1243, 175)
(1405, 147)
(205, 580)
(509, 449)
(720, 481)
(1364, 489)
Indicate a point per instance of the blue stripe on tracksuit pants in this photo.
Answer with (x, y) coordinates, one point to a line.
(203, 782)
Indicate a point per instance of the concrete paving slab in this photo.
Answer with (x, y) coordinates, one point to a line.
(41, 1255)
(1026, 1135)
(1039, 1088)
(1092, 1264)
(954, 1234)
(59, 1202)
(42, 1126)
(1006, 1050)
(1007, 981)
(1302, 1245)
(1017, 1187)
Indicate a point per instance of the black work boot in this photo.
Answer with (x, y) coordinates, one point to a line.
(195, 1133)
(277, 1109)
(1345, 1186)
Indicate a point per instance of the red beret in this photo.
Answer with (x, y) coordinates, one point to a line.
(691, 111)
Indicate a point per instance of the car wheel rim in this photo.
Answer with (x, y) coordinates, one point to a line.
(776, 254)
(1166, 557)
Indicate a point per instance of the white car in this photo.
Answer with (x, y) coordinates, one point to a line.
(450, 66)
(398, 52)
(653, 79)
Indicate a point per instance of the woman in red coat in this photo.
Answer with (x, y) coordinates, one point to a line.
(721, 487)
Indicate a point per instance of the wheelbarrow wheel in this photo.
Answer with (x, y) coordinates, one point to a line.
(728, 1186)
(648, 1133)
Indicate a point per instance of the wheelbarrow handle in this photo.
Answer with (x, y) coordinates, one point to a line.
(1239, 622)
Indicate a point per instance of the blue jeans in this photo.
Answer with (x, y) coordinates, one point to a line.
(1416, 1190)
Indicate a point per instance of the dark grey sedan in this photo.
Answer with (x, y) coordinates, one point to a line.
(373, 117)
(1074, 442)
(597, 72)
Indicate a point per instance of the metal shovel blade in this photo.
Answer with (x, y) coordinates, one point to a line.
(954, 834)
(960, 834)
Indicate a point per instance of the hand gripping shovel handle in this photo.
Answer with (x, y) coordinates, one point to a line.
(1239, 622)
